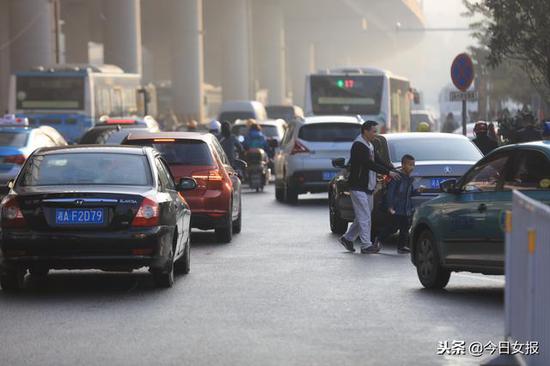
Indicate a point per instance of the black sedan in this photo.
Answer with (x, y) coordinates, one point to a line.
(113, 208)
(439, 156)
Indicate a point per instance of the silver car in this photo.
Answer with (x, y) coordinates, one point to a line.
(304, 161)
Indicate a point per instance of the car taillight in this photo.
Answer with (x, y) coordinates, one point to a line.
(211, 179)
(15, 159)
(148, 214)
(11, 214)
(298, 148)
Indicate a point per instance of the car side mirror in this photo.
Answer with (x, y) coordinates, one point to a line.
(273, 143)
(448, 186)
(186, 184)
(10, 183)
(339, 163)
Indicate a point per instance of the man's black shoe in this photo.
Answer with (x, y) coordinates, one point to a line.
(404, 250)
(373, 249)
(348, 244)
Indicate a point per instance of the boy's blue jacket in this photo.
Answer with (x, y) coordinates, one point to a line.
(399, 195)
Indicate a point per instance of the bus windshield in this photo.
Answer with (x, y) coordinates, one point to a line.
(336, 94)
(50, 92)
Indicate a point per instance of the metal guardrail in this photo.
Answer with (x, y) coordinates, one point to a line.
(527, 294)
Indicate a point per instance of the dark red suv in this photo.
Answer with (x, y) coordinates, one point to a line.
(216, 202)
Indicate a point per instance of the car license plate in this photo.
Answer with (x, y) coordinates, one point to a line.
(329, 175)
(93, 216)
(436, 182)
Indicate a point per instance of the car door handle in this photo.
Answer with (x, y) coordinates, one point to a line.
(482, 207)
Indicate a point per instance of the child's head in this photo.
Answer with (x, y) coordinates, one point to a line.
(407, 164)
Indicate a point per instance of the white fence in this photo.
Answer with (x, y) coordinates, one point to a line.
(527, 294)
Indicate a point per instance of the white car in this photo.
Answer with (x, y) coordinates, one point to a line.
(304, 161)
(271, 128)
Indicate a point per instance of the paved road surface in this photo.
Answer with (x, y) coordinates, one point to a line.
(282, 293)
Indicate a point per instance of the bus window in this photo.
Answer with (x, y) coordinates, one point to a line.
(50, 92)
(118, 107)
(400, 105)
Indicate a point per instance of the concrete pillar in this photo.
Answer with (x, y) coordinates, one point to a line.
(32, 34)
(122, 37)
(187, 58)
(76, 28)
(4, 55)
(301, 58)
(236, 63)
(269, 47)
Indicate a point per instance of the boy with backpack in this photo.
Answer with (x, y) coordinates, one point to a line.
(399, 204)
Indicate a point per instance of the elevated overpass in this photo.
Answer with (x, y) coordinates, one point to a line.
(245, 46)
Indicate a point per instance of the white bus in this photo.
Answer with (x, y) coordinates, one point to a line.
(372, 93)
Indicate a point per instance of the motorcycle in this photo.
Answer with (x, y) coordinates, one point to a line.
(257, 172)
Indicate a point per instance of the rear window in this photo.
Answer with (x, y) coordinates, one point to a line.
(330, 132)
(268, 130)
(284, 112)
(183, 152)
(233, 116)
(434, 149)
(86, 169)
(15, 139)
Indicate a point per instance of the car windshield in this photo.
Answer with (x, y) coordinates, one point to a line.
(330, 132)
(433, 149)
(182, 152)
(14, 139)
(86, 169)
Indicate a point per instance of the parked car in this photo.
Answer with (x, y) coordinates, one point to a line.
(233, 110)
(112, 130)
(463, 228)
(18, 141)
(91, 207)
(304, 161)
(289, 113)
(216, 203)
(439, 157)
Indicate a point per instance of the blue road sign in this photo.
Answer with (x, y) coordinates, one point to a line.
(462, 72)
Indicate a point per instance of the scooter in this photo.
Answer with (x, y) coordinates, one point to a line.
(257, 172)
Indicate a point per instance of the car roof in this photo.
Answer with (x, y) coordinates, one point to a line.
(328, 119)
(16, 129)
(543, 146)
(422, 135)
(178, 135)
(116, 149)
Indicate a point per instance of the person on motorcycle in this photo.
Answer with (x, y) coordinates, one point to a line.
(482, 140)
(230, 143)
(423, 127)
(255, 139)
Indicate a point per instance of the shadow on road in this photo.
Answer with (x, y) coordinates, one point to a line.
(85, 285)
(460, 294)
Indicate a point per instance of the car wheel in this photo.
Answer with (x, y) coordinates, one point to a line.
(183, 265)
(291, 194)
(337, 224)
(225, 233)
(279, 194)
(428, 266)
(237, 225)
(165, 278)
(12, 280)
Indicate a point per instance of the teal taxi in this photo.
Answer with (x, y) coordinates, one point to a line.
(463, 228)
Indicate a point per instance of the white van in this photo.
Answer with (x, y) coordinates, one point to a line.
(233, 110)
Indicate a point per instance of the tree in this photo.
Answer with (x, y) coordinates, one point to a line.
(516, 31)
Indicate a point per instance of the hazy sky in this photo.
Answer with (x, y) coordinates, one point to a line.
(428, 64)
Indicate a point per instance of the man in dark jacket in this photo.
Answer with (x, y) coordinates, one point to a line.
(365, 163)
(483, 142)
(529, 132)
